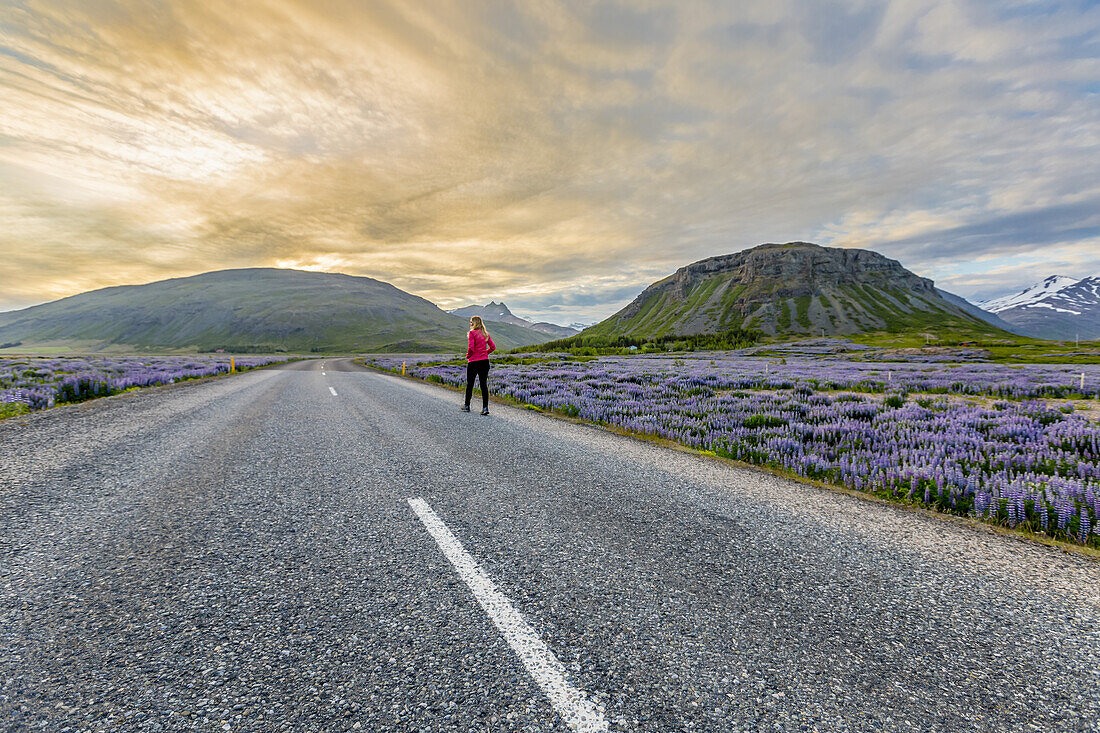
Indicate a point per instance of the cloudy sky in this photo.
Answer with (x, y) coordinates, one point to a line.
(556, 155)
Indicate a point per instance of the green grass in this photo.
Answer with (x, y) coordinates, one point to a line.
(731, 311)
(702, 294)
(802, 307)
(1044, 353)
(901, 296)
(783, 322)
(763, 421)
(13, 409)
(1019, 350)
(586, 343)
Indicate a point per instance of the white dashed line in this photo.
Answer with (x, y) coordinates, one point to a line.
(330, 389)
(575, 709)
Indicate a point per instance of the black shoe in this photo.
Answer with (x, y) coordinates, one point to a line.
(485, 411)
(465, 408)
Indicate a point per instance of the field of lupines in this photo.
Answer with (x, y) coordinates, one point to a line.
(35, 383)
(909, 431)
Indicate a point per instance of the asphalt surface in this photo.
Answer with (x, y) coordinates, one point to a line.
(239, 554)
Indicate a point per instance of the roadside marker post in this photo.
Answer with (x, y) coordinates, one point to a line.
(402, 369)
(232, 364)
(1082, 382)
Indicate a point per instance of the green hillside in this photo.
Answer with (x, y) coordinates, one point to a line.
(250, 310)
(796, 289)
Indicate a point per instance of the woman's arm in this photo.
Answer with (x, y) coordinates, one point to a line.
(492, 346)
(469, 345)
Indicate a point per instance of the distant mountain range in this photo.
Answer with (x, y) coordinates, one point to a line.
(798, 288)
(499, 313)
(1059, 307)
(250, 310)
(783, 290)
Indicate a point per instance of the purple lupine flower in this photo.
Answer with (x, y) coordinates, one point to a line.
(1011, 454)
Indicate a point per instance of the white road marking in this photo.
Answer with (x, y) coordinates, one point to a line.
(575, 709)
(330, 389)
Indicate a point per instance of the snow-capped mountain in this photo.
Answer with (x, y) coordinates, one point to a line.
(1059, 307)
(1027, 296)
(494, 311)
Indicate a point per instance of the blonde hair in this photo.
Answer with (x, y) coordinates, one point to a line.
(476, 324)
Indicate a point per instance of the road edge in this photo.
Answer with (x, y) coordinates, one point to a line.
(64, 407)
(1088, 553)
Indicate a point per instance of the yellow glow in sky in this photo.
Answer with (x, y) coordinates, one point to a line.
(558, 156)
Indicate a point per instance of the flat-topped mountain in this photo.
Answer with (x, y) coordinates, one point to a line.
(796, 288)
(499, 313)
(257, 309)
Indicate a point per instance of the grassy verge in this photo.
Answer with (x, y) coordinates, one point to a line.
(1019, 350)
(603, 345)
(874, 497)
(13, 409)
(17, 409)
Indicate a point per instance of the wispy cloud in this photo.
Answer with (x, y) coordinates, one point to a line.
(556, 155)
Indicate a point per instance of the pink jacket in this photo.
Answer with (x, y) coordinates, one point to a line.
(480, 346)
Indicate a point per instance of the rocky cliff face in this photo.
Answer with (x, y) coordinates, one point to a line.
(793, 288)
(789, 270)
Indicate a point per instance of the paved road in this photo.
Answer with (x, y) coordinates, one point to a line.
(239, 553)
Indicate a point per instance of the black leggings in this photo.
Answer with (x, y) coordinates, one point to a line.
(479, 369)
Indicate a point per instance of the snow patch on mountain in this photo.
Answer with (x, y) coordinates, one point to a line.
(1059, 307)
(1029, 296)
(1053, 308)
(493, 311)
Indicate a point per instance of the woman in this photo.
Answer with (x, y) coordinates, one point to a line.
(477, 362)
